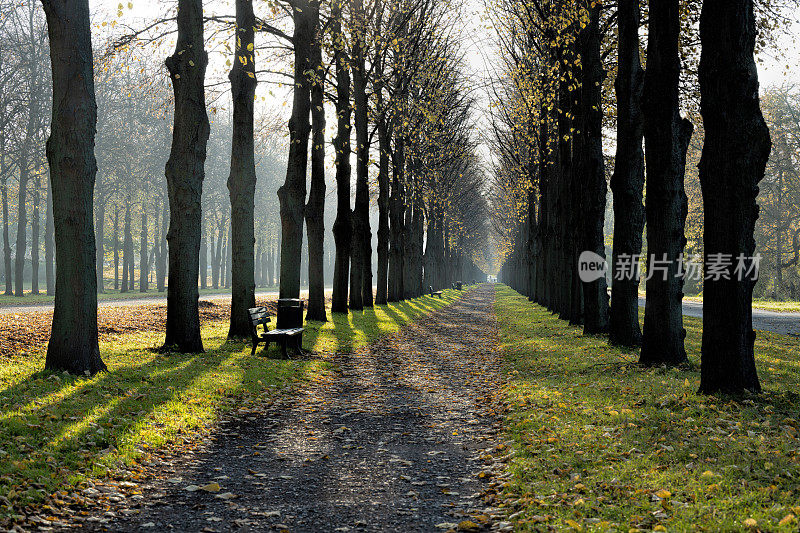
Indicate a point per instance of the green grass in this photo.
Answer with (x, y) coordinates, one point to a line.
(110, 294)
(603, 444)
(57, 430)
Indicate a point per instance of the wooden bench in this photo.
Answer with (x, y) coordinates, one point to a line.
(260, 316)
(434, 293)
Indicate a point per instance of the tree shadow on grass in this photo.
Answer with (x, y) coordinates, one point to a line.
(49, 433)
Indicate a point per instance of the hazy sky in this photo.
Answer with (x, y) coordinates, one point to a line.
(478, 39)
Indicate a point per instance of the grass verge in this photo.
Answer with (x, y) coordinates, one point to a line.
(602, 444)
(58, 430)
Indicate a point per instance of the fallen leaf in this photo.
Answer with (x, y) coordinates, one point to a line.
(211, 487)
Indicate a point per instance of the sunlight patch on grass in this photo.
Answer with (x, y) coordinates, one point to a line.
(603, 444)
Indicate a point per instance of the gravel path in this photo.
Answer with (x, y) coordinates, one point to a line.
(394, 439)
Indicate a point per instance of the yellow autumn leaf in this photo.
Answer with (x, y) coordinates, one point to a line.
(786, 520)
(211, 487)
(574, 525)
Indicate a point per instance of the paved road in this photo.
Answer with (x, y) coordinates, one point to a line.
(784, 323)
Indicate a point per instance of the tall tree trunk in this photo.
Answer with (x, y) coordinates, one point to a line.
(8, 269)
(270, 268)
(216, 260)
(144, 262)
(49, 244)
(24, 176)
(397, 216)
(185, 173)
(735, 153)
(22, 225)
(627, 182)
(203, 258)
(292, 193)
(116, 248)
(242, 179)
(161, 266)
(381, 294)
(667, 138)
(315, 209)
(342, 226)
(228, 258)
(594, 188)
(361, 268)
(99, 228)
(73, 345)
(127, 250)
(37, 188)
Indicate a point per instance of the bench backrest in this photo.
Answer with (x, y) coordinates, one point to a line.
(258, 315)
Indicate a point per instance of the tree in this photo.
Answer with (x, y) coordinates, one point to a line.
(594, 188)
(667, 138)
(315, 208)
(185, 173)
(73, 345)
(242, 180)
(292, 193)
(342, 226)
(735, 152)
(627, 182)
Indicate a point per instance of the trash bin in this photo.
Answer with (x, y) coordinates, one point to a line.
(290, 313)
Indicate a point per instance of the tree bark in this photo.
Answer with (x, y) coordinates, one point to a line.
(735, 153)
(49, 245)
(381, 294)
(203, 259)
(99, 228)
(116, 248)
(627, 182)
(397, 217)
(342, 226)
(8, 269)
(667, 138)
(242, 179)
(315, 209)
(292, 193)
(73, 345)
(594, 188)
(143, 259)
(37, 187)
(361, 268)
(185, 173)
(161, 265)
(127, 251)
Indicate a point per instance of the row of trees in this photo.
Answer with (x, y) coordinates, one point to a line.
(397, 78)
(551, 182)
(130, 204)
(397, 71)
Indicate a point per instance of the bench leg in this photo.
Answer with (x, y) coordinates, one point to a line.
(255, 345)
(283, 348)
(266, 347)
